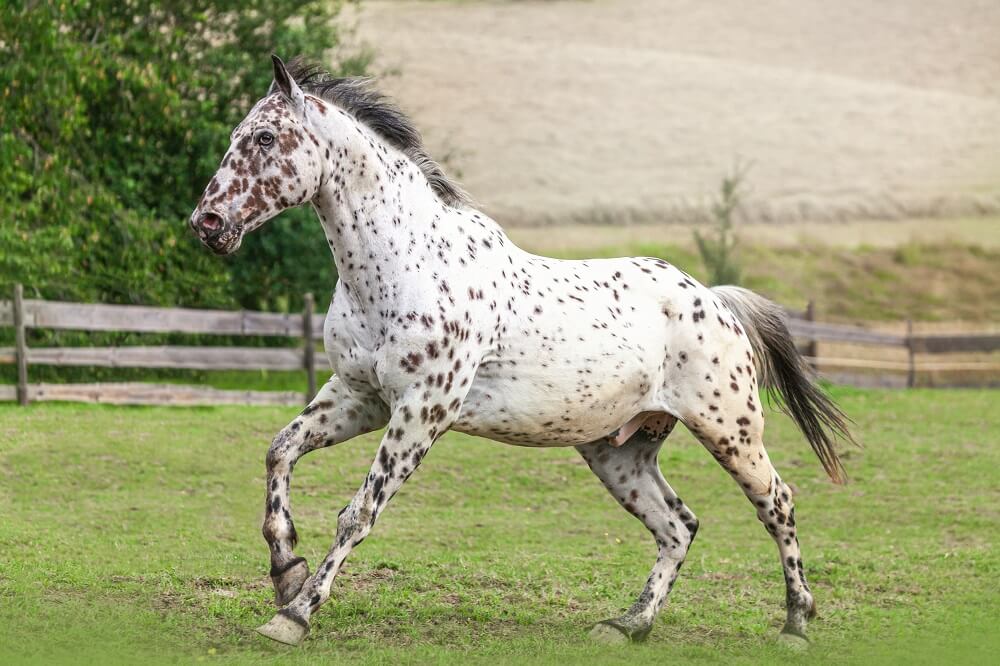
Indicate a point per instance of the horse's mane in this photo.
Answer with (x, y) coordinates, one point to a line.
(358, 97)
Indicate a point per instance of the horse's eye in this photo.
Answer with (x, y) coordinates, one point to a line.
(265, 138)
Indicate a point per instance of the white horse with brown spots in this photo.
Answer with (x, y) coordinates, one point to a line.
(440, 322)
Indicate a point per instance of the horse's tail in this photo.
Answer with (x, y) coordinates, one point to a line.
(787, 377)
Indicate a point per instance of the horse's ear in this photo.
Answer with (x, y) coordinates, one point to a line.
(285, 84)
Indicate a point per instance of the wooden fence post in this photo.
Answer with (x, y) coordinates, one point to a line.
(812, 349)
(911, 375)
(310, 345)
(21, 351)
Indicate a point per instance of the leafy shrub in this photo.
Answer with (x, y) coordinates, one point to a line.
(114, 114)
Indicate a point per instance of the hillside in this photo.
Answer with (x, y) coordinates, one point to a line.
(569, 111)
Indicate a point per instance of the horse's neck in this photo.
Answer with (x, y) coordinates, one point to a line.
(376, 208)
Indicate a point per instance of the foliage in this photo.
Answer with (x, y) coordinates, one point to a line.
(134, 537)
(717, 250)
(114, 115)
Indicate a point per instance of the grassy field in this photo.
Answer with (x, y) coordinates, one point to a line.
(131, 534)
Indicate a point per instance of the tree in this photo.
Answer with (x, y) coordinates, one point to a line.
(114, 115)
(718, 249)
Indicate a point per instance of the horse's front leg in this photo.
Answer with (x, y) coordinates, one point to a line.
(335, 415)
(414, 426)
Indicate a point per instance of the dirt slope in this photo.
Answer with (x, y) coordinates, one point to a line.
(630, 111)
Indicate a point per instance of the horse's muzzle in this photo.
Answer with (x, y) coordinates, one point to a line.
(217, 233)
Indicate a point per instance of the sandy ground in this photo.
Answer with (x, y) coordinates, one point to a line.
(620, 111)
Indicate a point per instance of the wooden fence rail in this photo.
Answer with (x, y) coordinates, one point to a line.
(823, 332)
(174, 357)
(24, 314)
(143, 319)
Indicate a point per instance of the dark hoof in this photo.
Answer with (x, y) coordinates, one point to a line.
(613, 632)
(288, 580)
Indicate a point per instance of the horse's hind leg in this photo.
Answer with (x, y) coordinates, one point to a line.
(632, 476)
(737, 444)
(336, 414)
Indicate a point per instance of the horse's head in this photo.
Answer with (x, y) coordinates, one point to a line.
(273, 163)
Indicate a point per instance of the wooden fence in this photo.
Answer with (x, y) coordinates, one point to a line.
(24, 314)
(916, 347)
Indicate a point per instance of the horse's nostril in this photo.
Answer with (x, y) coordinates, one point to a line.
(210, 223)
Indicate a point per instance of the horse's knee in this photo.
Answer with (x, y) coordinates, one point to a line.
(282, 444)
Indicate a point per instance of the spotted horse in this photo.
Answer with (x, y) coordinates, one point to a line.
(439, 322)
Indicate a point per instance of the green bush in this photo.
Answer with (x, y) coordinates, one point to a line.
(114, 115)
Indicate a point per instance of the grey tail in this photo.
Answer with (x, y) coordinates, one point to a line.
(786, 376)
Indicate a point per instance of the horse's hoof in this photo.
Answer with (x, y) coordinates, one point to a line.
(796, 642)
(608, 634)
(288, 581)
(612, 632)
(285, 628)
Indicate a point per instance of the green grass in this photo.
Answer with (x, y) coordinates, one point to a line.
(131, 535)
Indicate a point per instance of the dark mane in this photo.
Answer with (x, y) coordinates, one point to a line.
(356, 96)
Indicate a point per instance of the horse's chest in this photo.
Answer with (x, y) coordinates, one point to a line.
(351, 344)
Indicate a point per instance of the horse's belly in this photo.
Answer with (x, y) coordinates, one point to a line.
(552, 407)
